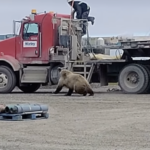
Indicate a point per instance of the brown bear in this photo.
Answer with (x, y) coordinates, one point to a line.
(74, 82)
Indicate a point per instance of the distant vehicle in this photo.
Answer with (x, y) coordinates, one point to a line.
(3, 37)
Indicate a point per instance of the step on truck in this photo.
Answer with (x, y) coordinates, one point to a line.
(47, 41)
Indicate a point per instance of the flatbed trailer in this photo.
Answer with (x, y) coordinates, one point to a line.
(133, 76)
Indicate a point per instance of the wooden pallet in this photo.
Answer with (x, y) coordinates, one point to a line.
(24, 116)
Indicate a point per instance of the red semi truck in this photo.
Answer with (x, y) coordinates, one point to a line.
(47, 41)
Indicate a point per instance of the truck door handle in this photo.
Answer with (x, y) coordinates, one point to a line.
(36, 52)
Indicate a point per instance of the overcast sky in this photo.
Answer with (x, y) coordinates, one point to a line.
(113, 17)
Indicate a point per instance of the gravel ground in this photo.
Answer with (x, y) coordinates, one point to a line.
(107, 121)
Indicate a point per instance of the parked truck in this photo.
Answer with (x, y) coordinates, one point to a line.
(47, 41)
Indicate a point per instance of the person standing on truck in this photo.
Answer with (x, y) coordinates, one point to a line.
(82, 10)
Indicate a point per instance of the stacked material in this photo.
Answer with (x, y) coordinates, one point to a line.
(102, 56)
(22, 108)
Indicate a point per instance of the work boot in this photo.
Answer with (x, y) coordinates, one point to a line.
(92, 20)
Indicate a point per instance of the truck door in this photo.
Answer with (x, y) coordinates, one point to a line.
(31, 40)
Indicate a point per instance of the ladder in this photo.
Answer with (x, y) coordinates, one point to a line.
(80, 67)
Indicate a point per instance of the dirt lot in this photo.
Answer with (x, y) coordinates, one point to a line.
(107, 121)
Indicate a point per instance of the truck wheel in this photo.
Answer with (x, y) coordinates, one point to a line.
(30, 88)
(7, 80)
(134, 79)
(147, 91)
(54, 75)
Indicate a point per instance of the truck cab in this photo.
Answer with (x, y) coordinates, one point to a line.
(36, 37)
(31, 58)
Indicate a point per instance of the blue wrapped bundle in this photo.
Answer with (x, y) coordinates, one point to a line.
(23, 108)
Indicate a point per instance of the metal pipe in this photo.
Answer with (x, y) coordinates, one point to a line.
(14, 28)
(22, 108)
(2, 108)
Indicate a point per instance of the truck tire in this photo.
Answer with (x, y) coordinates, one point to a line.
(7, 80)
(54, 74)
(134, 79)
(30, 88)
(147, 68)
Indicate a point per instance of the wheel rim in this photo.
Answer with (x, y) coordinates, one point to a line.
(3, 80)
(132, 79)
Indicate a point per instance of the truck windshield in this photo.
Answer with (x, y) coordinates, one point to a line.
(30, 29)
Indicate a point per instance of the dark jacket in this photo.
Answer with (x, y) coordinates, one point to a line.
(80, 8)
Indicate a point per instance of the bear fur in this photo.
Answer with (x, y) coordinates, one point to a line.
(74, 82)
